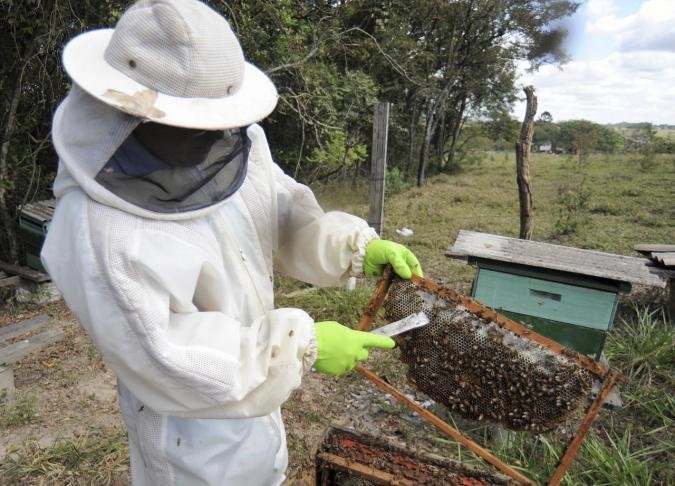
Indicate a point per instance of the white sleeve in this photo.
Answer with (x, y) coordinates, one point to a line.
(184, 361)
(316, 247)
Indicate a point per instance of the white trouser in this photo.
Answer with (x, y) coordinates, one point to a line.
(167, 450)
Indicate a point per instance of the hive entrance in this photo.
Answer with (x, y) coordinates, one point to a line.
(482, 371)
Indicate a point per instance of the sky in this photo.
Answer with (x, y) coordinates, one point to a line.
(622, 65)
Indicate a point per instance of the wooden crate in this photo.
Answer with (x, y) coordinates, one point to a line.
(34, 220)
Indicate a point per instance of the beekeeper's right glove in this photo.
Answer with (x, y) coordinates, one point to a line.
(339, 348)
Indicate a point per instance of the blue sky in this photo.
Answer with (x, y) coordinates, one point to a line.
(585, 46)
(622, 66)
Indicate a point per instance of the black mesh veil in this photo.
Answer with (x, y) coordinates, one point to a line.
(178, 170)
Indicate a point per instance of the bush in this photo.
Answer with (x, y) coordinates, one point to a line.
(395, 182)
(573, 201)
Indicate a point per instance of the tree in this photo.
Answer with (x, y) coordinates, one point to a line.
(610, 141)
(546, 117)
(32, 81)
(438, 63)
(454, 60)
(580, 137)
(545, 132)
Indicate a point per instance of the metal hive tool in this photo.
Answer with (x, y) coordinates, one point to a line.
(481, 370)
(457, 359)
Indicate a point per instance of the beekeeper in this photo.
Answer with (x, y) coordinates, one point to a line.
(171, 217)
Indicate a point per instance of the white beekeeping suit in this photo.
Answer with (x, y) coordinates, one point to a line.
(174, 285)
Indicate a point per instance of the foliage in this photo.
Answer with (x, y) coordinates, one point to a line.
(395, 182)
(20, 411)
(546, 132)
(503, 130)
(644, 348)
(574, 195)
(546, 117)
(644, 142)
(438, 63)
(610, 141)
(32, 82)
(579, 137)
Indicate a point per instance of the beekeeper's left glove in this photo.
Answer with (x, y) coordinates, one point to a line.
(382, 252)
(339, 348)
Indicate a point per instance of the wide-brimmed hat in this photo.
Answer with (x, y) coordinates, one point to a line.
(175, 62)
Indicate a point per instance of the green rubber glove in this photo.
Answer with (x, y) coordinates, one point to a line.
(339, 347)
(381, 252)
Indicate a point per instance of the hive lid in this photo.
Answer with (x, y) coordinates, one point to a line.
(557, 257)
(39, 211)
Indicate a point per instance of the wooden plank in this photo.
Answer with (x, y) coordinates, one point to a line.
(15, 352)
(378, 166)
(665, 258)
(376, 299)
(25, 272)
(362, 471)
(557, 257)
(10, 281)
(648, 248)
(19, 328)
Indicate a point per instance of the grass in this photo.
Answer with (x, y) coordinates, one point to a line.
(98, 457)
(627, 205)
(643, 346)
(330, 304)
(21, 411)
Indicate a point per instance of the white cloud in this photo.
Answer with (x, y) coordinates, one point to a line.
(597, 8)
(635, 82)
(627, 86)
(652, 27)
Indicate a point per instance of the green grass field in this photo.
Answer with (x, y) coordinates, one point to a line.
(624, 203)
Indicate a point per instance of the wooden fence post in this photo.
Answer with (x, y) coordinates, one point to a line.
(523, 165)
(378, 166)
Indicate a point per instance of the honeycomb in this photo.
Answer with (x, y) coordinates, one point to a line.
(482, 371)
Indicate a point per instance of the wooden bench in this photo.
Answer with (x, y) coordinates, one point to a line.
(30, 285)
(12, 350)
(8, 280)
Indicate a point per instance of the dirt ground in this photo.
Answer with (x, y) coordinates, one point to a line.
(74, 393)
(72, 388)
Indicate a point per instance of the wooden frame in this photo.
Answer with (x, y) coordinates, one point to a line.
(382, 462)
(608, 376)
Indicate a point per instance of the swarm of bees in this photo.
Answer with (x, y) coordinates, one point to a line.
(482, 371)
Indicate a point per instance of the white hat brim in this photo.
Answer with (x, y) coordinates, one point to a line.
(84, 62)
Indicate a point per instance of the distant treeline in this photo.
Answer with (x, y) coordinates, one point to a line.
(577, 137)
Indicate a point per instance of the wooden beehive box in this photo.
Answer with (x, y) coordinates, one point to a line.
(567, 294)
(34, 220)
